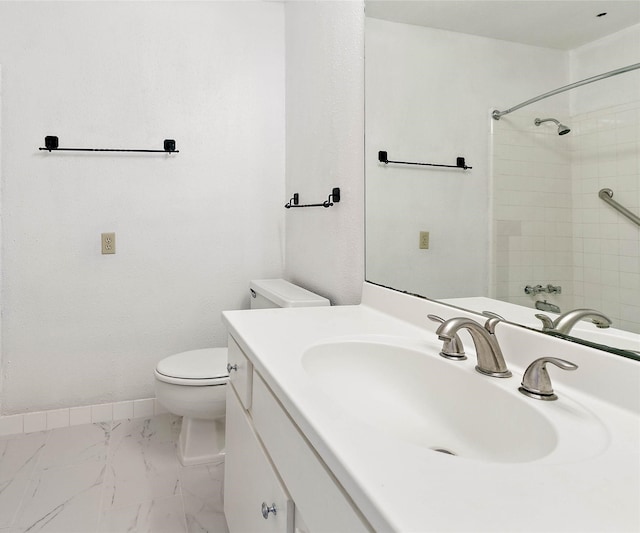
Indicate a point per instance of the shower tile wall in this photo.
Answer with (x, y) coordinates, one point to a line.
(532, 219)
(606, 153)
(549, 224)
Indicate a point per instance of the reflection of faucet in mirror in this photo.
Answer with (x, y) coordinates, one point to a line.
(547, 306)
(566, 321)
(491, 314)
(490, 358)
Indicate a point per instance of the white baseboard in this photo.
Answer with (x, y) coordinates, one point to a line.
(75, 416)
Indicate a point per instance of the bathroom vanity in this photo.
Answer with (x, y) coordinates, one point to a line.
(269, 460)
(346, 419)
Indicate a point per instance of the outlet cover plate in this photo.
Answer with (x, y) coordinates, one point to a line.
(108, 241)
(424, 240)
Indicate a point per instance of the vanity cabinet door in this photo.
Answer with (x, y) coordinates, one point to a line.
(319, 497)
(240, 372)
(251, 485)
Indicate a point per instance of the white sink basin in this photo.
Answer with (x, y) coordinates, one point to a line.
(441, 405)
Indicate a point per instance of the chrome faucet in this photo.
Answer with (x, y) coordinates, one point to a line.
(566, 321)
(490, 358)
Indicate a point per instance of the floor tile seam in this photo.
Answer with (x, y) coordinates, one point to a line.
(103, 489)
(36, 463)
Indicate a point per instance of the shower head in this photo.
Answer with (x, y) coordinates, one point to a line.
(562, 129)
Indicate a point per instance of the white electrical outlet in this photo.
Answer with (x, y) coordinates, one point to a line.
(424, 240)
(108, 243)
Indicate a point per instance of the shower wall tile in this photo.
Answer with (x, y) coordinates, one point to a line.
(607, 266)
(532, 178)
(550, 185)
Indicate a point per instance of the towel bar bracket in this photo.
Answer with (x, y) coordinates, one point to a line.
(334, 198)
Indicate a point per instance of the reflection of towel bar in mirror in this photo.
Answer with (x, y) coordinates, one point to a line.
(334, 197)
(460, 162)
(51, 144)
(607, 196)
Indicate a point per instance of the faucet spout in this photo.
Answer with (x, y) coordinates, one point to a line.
(490, 359)
(565, 322)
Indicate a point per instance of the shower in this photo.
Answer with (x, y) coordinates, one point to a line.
(562, 129)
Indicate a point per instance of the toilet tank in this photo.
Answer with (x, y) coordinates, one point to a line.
(267, 293)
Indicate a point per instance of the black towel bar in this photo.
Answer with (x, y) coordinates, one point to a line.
(460, 162)
(51, 145)
(334, 197)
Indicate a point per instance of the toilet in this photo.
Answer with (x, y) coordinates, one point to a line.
(193, 384)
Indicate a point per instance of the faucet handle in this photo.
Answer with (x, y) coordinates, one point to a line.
(536, 382)
(452, 348)
(491, 314)
(547, 323)
(491, 323)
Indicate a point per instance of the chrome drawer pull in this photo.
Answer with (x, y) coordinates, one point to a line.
(266, 510)
(231, 367)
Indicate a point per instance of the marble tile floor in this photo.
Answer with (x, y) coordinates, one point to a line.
(114, 477)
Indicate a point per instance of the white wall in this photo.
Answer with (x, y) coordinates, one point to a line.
(615, 51)
(325, 121)
(192, 228)
(429, 94)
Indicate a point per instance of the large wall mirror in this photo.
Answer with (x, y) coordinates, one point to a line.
(522, 230)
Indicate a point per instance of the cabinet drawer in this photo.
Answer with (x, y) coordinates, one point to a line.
(250, 479)
(240, 372)
(319, 497)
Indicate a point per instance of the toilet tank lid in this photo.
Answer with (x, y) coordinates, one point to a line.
(206, 363)
(285, 294)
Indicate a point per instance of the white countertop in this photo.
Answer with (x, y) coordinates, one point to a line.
(400, 486)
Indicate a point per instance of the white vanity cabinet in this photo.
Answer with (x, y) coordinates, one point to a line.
(251, 485)
(269, 461)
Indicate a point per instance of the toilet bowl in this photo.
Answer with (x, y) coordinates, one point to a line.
(193, 384)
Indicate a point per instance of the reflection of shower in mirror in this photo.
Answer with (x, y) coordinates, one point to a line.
(562, 129)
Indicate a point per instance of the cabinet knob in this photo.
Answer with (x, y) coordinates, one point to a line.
(231, 367)
(266, 510)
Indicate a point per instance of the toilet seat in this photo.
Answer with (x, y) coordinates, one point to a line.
(196, 368)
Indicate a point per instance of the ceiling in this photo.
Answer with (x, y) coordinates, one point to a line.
(561, 24)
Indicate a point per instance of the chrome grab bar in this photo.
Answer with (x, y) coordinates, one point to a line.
(607, 196)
